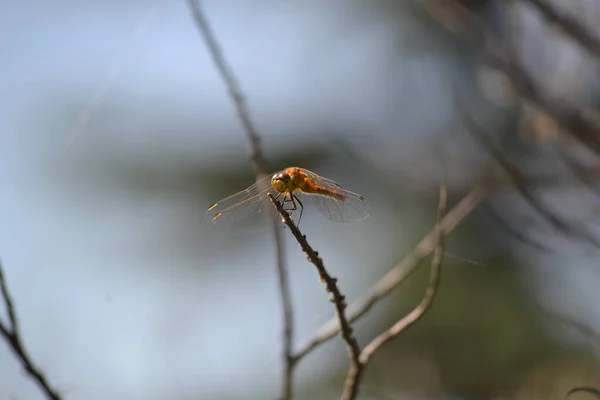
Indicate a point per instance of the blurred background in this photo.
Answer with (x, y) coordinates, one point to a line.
(117, 133)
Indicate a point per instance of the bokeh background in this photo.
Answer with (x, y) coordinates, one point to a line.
(117, 132)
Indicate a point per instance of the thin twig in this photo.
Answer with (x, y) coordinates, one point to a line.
(259, 165)
(430, 292)
(330, 282)
(12, 335)
(10, 307)
(399, 272)
(408, 320)
(233, 87)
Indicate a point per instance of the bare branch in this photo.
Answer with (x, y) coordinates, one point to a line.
(13, 338)
(10, 307)
(260, 170)
(568, 25)
(233, 87)
(330, 282)
(400, 272)
(407, 321)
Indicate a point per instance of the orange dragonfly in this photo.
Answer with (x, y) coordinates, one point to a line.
(335, 203)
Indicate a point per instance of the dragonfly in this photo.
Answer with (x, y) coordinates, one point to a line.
(288, 186)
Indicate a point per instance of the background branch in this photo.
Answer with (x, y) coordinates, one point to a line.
(583, 389)
(233, 87)
(507, 227)
(578, 124)
(12, 335)
(418, 312)
(259, 164)
(400, 272)
(336, 296)
(521, 182)
(569, 25)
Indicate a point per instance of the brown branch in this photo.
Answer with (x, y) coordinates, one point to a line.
(338, 299)
(233, 87)
(400, 272)
(12, 336)
(407, 321)
(569, 25)
(259, 165)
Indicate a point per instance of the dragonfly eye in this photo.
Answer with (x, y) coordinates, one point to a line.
(281, 182)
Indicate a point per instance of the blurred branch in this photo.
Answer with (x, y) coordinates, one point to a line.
(418, 312)
(568, 25)
(233, 87)
(578, 171)
(259, 164)
(520, 181)
(457, 19)
(508, 228)
(12, 335)
(399, 272)
(331, 285)
(586, 330)
(583, 389)
(577, 123)
(495, 179)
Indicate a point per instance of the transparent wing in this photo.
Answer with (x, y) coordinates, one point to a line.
(242, 208)
(347, 206)
(353, 208)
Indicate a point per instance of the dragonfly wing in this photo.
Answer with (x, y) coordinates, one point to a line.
(354, 208)
(243, 218)
(242, 211)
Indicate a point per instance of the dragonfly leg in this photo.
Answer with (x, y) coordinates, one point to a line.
(286, 200)
(293, 208)
(291, 198)
(301, 208)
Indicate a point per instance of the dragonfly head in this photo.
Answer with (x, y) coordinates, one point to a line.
(282, 182)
